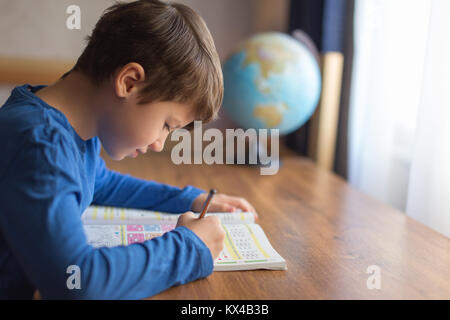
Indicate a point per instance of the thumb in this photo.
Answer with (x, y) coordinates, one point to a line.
(185, 218)
(189, 214)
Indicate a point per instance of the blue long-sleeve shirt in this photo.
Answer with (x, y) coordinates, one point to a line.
(48, 177)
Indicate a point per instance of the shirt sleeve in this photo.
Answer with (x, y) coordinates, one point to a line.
(121, 190)
(40, 222)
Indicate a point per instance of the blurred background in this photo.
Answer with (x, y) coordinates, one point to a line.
(381, 120)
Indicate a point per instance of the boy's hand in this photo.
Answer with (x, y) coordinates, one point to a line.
(223, 203)
(208, 229)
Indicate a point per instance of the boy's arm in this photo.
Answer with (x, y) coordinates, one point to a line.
(120, 190)
(40, 222)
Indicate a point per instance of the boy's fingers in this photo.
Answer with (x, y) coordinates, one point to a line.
(221, 207)
(243, 204)
(215, 219)
(228, 208)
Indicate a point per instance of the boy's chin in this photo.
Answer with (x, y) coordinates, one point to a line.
(128, 155)
(117, 156)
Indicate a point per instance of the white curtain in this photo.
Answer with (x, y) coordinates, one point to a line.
(399, 134)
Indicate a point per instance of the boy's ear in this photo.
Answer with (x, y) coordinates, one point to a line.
(128, 78)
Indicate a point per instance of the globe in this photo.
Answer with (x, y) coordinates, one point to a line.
(271, 81)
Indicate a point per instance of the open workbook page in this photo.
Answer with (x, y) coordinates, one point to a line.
(246, 245)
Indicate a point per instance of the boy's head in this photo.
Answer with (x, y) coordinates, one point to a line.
(160, 60)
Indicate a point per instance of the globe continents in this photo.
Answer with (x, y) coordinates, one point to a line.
(271, 81)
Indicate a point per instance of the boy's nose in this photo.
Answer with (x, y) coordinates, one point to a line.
(157, 146)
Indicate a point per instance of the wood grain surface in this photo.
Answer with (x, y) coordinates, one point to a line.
(34, 71)
(328, 232)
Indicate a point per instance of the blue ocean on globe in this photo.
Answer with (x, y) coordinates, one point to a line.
(271, 81)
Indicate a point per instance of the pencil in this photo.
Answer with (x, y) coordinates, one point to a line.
(212, 192)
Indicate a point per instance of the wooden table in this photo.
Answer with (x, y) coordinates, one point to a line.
(328, 232)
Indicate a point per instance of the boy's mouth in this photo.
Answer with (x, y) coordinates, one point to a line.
(134, 154)
(137, 152)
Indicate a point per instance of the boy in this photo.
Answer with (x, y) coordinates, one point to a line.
(149, 67)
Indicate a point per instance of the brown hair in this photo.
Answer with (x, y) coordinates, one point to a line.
(173, 45)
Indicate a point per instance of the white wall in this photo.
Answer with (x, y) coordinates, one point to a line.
(32, 28)
(37, 28)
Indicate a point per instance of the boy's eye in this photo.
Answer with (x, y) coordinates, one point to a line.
(166, 126)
